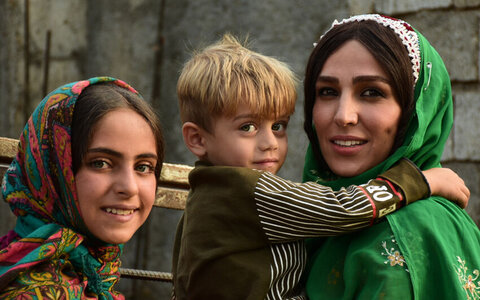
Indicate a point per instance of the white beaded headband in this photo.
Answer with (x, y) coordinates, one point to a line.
(401, 28)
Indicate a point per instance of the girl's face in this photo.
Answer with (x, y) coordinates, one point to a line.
(116, 182)
(355, 113)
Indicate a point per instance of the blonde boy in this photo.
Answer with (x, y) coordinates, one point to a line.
(235, 105)
(241, 235)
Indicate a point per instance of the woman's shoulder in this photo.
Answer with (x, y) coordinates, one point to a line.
(433, 210)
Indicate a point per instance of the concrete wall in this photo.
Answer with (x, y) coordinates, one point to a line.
(145, 42)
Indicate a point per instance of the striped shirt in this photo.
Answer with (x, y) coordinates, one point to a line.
(242, 233)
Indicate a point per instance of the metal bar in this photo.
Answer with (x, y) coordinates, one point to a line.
(146, 275)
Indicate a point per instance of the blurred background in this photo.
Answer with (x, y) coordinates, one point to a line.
(46, 43)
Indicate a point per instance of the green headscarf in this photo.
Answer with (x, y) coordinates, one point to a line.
(427, 132)
(436, 239)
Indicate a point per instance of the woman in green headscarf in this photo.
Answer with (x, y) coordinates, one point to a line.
(377, 91)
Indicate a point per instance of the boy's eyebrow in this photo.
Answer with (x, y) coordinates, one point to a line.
(245, 116)
(256, 116)
(118, 154)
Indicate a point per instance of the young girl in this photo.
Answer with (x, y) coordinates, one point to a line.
(82, 183)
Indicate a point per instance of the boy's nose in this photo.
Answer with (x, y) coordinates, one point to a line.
(268, 141)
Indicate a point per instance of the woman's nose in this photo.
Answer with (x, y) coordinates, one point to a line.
(126, 182)
(346, 113)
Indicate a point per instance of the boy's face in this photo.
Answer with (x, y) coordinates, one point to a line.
(246, 140)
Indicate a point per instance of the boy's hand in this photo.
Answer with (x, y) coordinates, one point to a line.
(446, 183)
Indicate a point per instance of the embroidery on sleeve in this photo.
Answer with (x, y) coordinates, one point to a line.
(394, 257)
(468, 280)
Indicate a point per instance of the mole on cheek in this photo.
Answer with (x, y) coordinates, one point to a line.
(390, 130)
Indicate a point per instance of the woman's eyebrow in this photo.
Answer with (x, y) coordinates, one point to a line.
(329, 79)
(357, 79)
(370, 78)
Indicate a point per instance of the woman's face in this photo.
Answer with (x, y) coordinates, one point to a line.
(355, 113)
(116, 182)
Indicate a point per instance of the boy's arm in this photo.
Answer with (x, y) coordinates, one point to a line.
(442, 182)
(446, 183)
(291, 211)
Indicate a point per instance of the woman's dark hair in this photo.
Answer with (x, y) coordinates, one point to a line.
(384, 44)
(95, 102)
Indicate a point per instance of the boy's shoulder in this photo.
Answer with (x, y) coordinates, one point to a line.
(206, 172)
(203, 164)
(221, 188)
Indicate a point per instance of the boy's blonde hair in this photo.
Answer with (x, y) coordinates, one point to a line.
(215, 81)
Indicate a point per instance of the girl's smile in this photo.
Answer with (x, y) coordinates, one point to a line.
(116, 183)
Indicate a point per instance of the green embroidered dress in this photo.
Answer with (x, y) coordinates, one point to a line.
(427, 250)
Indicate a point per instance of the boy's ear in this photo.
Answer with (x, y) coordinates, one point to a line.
(194, 138)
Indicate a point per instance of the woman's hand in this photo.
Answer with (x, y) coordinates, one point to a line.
(446, 183)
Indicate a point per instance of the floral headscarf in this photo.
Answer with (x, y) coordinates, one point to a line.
(434, 238)
(48, 244)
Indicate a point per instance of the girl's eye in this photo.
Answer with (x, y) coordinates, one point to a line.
(145, 168)
(279, 126)
(247, 128)
(99, 164)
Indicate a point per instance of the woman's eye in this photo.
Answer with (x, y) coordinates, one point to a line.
(247, 128)
(99, 164)
(145, 168)
(326, 92)
(372, 93)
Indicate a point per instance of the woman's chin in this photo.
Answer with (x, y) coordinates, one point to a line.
(347, 169)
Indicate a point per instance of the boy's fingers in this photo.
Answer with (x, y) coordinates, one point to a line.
(463, 201)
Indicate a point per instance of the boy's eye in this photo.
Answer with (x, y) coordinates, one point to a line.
(98, 164)
(248, 128)
(279, 126)
(145, 168)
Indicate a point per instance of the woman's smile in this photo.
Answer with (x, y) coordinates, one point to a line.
(355, 112)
